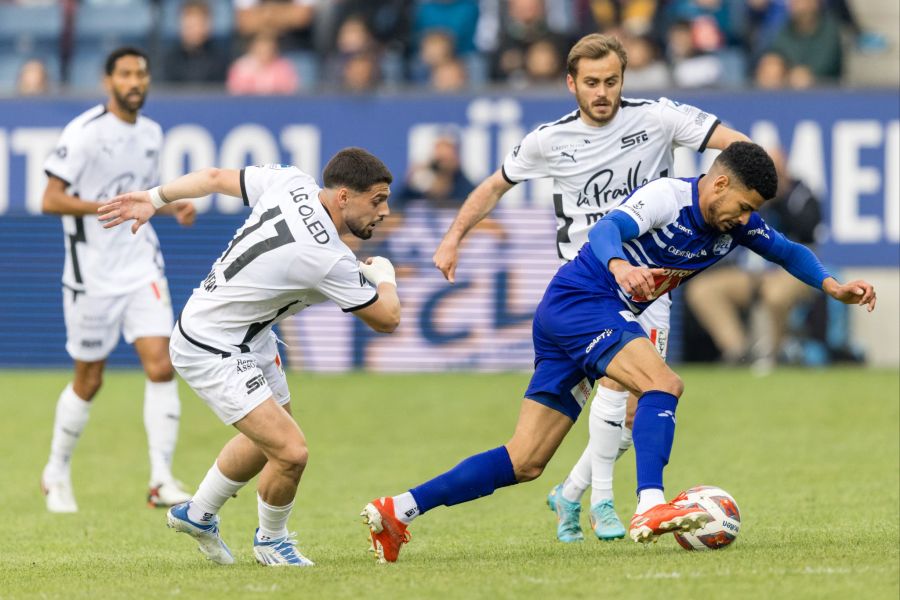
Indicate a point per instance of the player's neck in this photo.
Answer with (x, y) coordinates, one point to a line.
(121, 113)
(329, 203)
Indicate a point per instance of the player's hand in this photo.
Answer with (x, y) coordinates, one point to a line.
(446, 257)
(185, 213)
(856, 292)
(378, 270)
(134, 206)
(636, 281)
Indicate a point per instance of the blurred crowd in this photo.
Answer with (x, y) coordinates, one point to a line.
(444, 46)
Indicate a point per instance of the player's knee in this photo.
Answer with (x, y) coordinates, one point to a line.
(293, 458)
(529, 470)
(160, 371)
(86, 385)
(671, 383)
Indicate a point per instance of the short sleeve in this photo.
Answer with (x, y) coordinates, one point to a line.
(345, 286)
(687, 125)
(69, 158)
(652, 206)
(526, 161)
(256, 180)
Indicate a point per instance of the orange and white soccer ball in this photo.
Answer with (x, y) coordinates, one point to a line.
(726, 522)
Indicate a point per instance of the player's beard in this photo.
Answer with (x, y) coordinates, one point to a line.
(128, 104)
(363, 233)
(588, 109)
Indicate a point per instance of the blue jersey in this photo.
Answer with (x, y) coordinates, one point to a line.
(672, 236)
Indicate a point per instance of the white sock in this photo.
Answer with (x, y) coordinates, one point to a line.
(162, 411)
(272, 520)
(625, 443)
(405, 507)
(71, 416)
(649, 498)
(605, 425)
(579, 479)
(214, 490)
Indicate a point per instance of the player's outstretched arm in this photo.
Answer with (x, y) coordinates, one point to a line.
(383, 315)
(477, 206)
(140, 206)
(855, 292)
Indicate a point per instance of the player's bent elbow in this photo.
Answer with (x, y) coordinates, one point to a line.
(387, 325)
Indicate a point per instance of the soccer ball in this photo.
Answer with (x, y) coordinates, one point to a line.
(726, 523)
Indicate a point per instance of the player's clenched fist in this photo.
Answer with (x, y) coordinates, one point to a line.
(378, 270)
(637, 281)
(445, 259)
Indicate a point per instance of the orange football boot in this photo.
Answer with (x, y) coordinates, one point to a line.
(388, 532)
(664, 518)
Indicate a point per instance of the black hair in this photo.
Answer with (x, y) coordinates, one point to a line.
(356, 169)
(118, 53)
(752, 166)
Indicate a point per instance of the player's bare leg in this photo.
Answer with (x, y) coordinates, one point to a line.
(642, 370)
(539, 432)
(72, 412)
(162, 414)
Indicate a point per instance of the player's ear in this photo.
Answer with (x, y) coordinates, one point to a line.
(570, 82)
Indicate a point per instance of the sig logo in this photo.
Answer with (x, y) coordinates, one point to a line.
(255, 383)
(633, 139)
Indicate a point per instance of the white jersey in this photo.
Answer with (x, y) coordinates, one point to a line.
(595, 168)
(100, 156)
(287, 256)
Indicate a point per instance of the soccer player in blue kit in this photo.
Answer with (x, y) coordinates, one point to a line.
(585, 327)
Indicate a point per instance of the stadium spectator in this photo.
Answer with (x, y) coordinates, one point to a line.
(439, 179)
(524, 23)
(33, 79)
(810, 39)
(360, 73)
(449, 77)
(459, 18)
(196, 58)
(113, 282)
(646, 70)
(544, 64)
(771, 72)
(304, 264)
(866, 41)
(435, 48)
(262, 70)
(690, 67)
(720, 296)
(633, 16)
(290, 20)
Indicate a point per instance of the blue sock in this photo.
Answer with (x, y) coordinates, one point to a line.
(473, 478)
(653, 433)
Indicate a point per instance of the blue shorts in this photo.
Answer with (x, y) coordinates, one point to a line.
(576, 334)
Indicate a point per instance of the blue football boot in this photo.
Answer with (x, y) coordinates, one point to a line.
(605, 522)
(568, 515)
(281, 552)
(207, 536)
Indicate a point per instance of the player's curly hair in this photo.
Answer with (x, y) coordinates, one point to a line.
(114, 56)
(356, 169)
(752, 166)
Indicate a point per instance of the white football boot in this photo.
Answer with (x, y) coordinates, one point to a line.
(164, 495)
(207, 535)
(59, 496)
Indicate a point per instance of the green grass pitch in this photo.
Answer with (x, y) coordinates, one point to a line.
(812, 457)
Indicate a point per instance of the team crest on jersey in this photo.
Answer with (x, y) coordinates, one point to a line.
(723, 245)
(633, 139)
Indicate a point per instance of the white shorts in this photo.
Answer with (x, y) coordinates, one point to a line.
(94, 323)
(655, 321)
(232, 386)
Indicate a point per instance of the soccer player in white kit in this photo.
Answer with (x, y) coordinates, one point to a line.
(113, 282)
(597, 155)
(286, 257)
